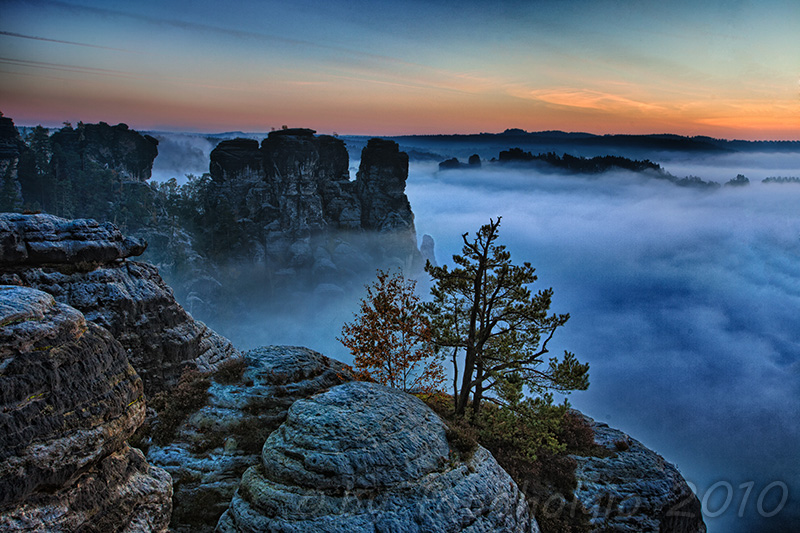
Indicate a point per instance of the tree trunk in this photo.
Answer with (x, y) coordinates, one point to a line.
(455, 378)
(466, 380)
(469, 358)
(478, 396)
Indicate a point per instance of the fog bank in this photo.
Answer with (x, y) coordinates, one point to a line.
(685, 302)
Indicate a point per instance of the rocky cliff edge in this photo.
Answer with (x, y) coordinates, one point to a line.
(69, 400)
(85, 264)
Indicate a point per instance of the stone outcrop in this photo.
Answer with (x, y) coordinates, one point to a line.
(84, 264)
(219, 441)
(363, 457)
(427, 250)
(293, 199)
(474, 162)
(69, 399)
(117, 148)
(634, 489)
(32, 240)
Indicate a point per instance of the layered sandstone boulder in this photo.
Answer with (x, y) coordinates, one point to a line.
(364, 457)
(84, 264)
(69, 400)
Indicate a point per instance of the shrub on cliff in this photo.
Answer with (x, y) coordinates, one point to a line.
(189, 395)
(390, 337)
(534, 450)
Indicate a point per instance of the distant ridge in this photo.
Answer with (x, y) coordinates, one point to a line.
(557, 138)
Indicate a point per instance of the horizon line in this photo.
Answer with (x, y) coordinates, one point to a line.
(334, 133)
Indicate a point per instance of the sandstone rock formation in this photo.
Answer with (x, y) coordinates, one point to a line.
(83, 264)
(635, 489)
(219, 441)
(69, 399)
(363, 457)
(118, 148)
(293, 198)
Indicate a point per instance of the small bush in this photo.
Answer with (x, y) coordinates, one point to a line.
(231, 371)
(462, 439)
(533, 450)
(576, 433)
(622, 445)
(189, 395)
(250, 438)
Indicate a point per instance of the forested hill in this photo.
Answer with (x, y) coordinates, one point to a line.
(634, 143)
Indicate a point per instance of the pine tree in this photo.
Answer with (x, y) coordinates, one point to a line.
(484, 308)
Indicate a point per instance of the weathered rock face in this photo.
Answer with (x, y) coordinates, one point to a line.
(82, 263)
(114, 147)
(635, 489)
(69, 399)
(43, 239)
(363, 457)
(295, 202)
(219, 441)
(381, 187)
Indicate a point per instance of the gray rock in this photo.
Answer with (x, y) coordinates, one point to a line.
(81, 263)
(219, 441)
(363, 457)
(635, 489)
(69, 399)
(35, 240)
(427, 250)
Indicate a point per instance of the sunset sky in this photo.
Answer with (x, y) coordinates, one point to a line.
(723, 68)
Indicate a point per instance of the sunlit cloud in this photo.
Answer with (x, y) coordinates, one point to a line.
(588, 99)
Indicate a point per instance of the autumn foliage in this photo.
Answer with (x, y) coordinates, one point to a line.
(390, 337)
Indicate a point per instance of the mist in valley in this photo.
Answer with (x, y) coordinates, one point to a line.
(684, 301)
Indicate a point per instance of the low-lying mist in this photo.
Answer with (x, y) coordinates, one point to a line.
(684, 301)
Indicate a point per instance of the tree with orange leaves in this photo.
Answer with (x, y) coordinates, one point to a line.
(390, 337)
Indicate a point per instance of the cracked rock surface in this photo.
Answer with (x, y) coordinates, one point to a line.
(83, 263)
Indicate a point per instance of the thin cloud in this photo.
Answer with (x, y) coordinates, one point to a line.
(63, 67)
(60, 67)
(415, 75)
(588, 99)
(241, 34)
(60, 41)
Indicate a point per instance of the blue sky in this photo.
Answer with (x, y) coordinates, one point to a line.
(728, 69)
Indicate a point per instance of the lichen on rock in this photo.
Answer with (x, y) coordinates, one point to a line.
(218, 441)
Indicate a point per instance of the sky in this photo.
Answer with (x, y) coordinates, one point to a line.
(728, 69)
